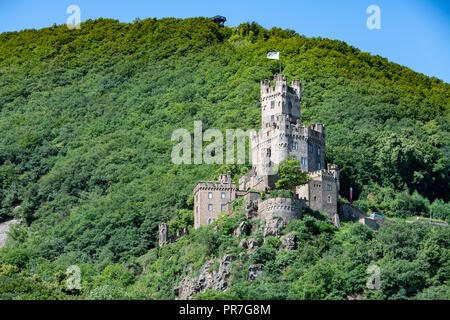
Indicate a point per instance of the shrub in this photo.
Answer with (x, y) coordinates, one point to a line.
(262, 255)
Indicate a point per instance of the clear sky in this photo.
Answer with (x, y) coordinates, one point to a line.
(414, 33)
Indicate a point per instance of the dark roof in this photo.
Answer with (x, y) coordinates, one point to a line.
(219, 19)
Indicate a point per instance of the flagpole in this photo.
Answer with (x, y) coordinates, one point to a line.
(275, 56)
(280, 63)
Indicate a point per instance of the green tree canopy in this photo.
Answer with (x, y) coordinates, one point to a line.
(291, 175)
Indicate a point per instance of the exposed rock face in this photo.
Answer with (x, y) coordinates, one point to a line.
(253, 244)
(4, 229)
(274, 227)
(242, 229)
(243, 243)
(254, 271)
(356, 296)
(207, 280)
(289, 242)
(251, 209)
(221, 277)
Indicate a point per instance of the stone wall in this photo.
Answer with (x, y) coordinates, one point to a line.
(370, 222)
(164, 237)
(211, 198)
(321, 193)
(286, 208)
(348, 212)
(250, 181)
(285, 138)
(432, 222)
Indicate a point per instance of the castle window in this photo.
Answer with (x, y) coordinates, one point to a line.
(329, 199)
(196, 198)
(209, 195)
(318, 151)
(223, 207)
(318, 166)
(222, 195)
(272, 104)
(209, 221)
(294, 145)
(304, 161)
(210, 207)
(272, 118)
(315, 198)
(329, 187)
(196, 209)
(310, 148)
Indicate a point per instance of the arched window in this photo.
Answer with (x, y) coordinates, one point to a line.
(209, 221)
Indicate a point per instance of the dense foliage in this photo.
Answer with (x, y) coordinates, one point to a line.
(291, 175)
(86, 118)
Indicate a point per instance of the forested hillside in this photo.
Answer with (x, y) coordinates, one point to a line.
(86, 118)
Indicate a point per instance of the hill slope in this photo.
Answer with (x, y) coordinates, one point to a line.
(86, 118)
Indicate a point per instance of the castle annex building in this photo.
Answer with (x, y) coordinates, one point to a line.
(282, 135)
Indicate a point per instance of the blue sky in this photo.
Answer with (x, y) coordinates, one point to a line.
(414, 33)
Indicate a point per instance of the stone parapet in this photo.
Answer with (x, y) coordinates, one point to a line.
(285, 208)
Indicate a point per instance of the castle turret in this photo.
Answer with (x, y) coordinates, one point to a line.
(335, 170)
(282, 135)
(279, 100)
(297, 86)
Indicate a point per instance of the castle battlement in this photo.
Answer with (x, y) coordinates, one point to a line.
(286, 208)
(282, 135)
(285, 126)
(281, 87)
(324, 174)
(214, 185)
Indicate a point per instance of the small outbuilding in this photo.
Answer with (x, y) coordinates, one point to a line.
(219, 20)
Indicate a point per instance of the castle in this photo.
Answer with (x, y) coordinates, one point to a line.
(281, 135)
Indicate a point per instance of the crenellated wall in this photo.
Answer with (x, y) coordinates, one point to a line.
(281, 135)
(286, 208)
(211, 198)
(284, 136)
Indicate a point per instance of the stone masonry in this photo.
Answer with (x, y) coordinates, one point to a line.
(281, 135)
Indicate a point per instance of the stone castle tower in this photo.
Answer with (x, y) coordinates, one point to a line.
(281, 135)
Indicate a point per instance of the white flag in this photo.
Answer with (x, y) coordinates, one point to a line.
(273, 55)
